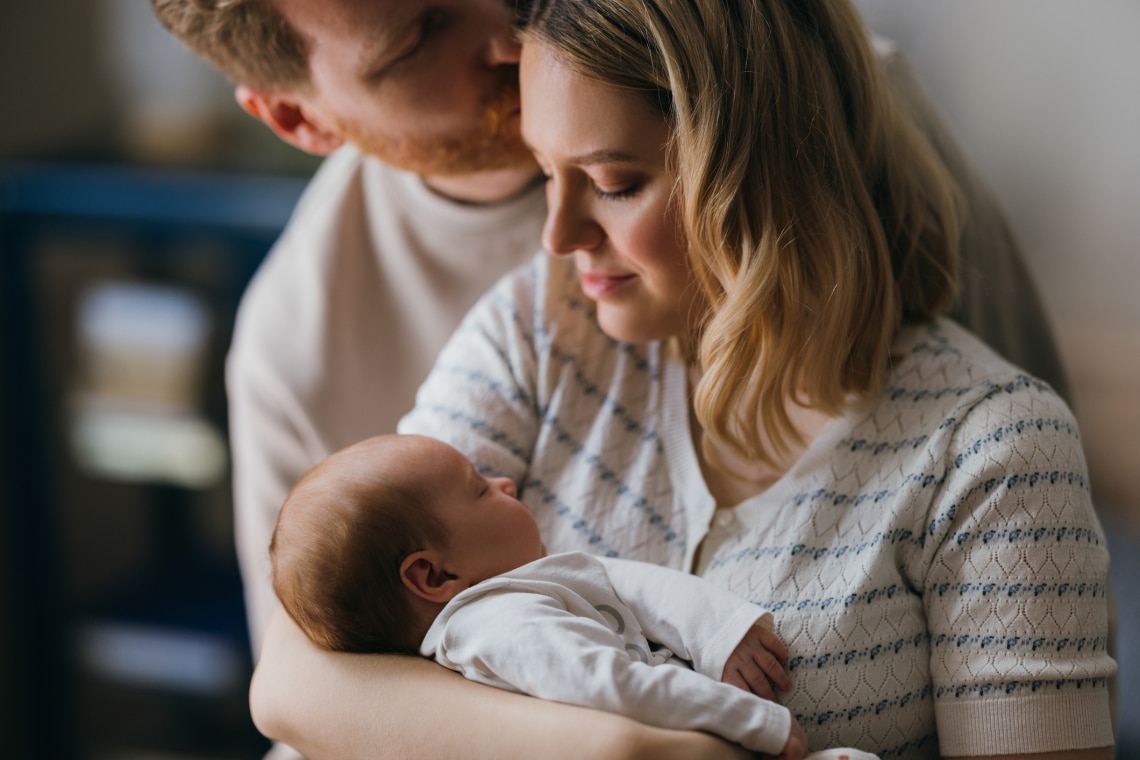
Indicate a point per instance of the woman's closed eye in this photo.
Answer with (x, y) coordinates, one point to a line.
(614, 182)
(619, 194)
(606, 190)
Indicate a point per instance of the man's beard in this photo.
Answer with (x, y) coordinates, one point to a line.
(495, 144)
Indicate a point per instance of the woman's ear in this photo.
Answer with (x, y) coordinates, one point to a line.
(423, 574)
(290, 119)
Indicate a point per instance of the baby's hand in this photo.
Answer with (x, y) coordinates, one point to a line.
(757, 664)
(796, 748)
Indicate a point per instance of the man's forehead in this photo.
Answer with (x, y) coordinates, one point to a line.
(323, 20)
(352, 37)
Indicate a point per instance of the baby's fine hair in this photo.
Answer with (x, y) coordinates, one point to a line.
(336, 552)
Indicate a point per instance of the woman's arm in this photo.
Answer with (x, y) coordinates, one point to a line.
(330, 705)
(1014, 583)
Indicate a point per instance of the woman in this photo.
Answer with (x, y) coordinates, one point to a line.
(734, 364)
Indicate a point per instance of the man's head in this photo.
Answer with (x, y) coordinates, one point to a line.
(430, 86)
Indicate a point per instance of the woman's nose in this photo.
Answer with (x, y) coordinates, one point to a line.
(569, 228)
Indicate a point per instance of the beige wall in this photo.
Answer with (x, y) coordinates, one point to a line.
(1045, 97)
(53, 90)
(102, 80)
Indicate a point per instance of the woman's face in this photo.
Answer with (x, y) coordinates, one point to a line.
(610, 197)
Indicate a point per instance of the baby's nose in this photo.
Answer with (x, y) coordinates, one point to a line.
(506, 485)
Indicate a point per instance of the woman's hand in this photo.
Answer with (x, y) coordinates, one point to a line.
(332, 705)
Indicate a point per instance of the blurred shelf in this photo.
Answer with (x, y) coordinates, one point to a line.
(131, 639)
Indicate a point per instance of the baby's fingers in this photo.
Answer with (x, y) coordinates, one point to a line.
(772, 643)
(750, 679)
(773, 669)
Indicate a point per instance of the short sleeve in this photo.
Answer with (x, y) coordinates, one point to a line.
(1015, 583)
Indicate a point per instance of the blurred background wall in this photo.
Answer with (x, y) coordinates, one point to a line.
(1044, 95)
(101, 105)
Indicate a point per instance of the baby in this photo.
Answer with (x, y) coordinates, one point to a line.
(397, 544)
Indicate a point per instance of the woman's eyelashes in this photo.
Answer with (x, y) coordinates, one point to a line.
(607, 191)
(620, 194)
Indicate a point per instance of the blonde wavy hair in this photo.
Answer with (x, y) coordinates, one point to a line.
(818, 218)
(247, 40)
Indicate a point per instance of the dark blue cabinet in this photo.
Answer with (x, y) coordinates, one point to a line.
(123, 627)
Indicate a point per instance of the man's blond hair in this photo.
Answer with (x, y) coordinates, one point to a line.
(248, 40)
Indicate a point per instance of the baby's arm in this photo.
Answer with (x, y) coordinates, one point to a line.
(529, 643)
(724, 636)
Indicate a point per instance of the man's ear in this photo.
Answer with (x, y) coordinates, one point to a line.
(423, 574)
(289, 119)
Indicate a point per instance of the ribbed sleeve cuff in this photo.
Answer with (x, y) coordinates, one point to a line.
(1039, 723)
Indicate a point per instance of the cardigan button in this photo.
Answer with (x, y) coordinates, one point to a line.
(725, 518)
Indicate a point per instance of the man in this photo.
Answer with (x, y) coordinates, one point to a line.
(428, 195)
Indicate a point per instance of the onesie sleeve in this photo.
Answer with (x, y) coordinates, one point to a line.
(1015, 570)
(530, 643)
(693, 618)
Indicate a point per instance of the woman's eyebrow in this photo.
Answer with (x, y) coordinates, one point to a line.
(602, 156)
(595, 157)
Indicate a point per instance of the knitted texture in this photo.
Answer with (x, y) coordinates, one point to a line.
(933, 560)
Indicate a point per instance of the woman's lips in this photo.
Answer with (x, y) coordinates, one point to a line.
(598, 286)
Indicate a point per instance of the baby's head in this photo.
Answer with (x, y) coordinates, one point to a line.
(373, 541)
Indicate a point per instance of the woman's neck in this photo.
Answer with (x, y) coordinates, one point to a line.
(733, 478)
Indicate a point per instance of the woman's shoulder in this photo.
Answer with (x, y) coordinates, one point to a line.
(944, 361)
(950, 386)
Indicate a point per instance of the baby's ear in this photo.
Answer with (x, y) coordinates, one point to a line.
(423, 574)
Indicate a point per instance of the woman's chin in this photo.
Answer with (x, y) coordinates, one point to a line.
(627, 325)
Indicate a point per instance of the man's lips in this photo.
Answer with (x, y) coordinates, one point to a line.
(597, 286)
